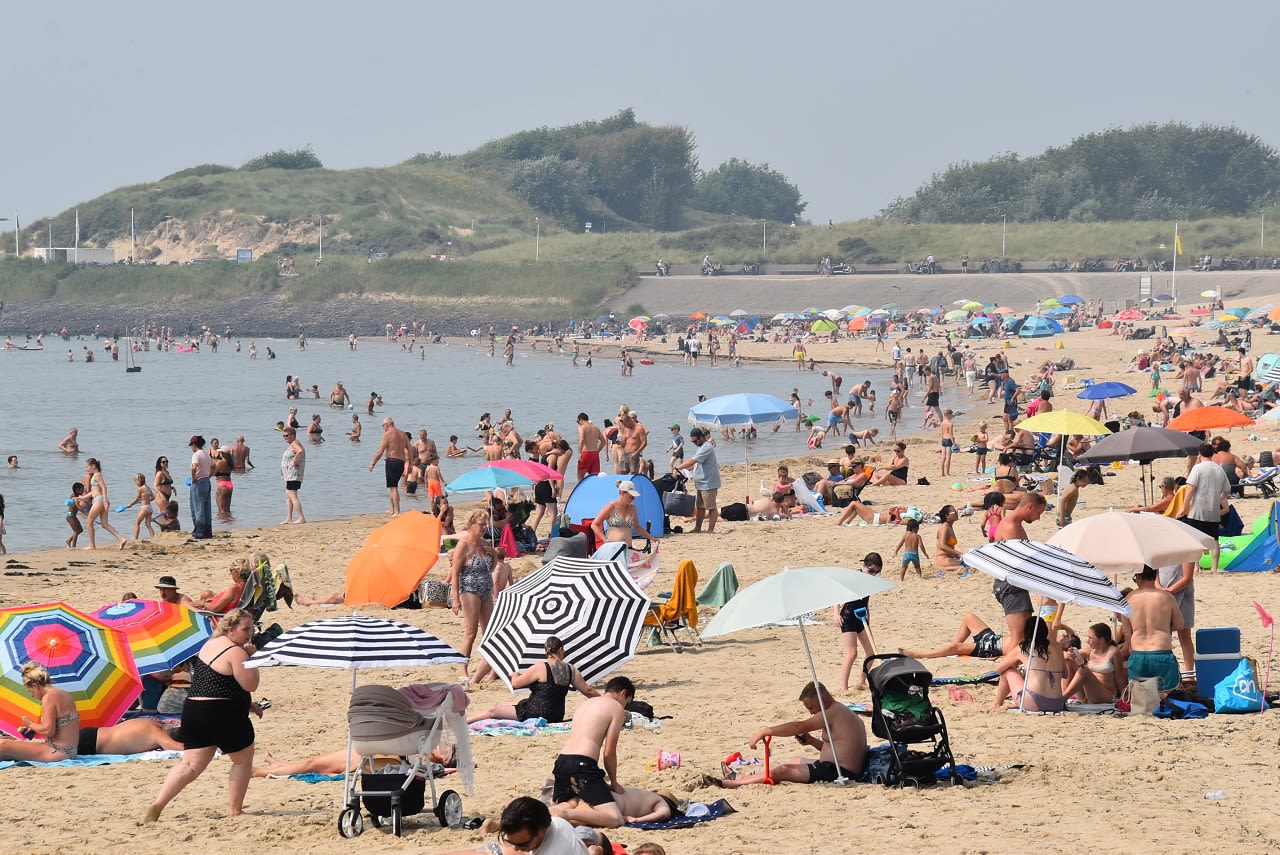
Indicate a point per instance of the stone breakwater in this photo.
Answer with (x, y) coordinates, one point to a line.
(256, 316)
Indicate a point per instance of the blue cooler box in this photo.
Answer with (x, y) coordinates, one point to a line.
(1217, 655)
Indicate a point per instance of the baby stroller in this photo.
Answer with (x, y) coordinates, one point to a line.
(902, 713)
(383, 722)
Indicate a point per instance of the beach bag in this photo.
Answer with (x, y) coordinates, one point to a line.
(1238, 693)
(1141, 696)
(735, 512)
(1175, 709)
(677, 504)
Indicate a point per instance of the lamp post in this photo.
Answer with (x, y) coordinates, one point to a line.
(764, 237)
(537, 238)
(1004, 221)
(321, 239)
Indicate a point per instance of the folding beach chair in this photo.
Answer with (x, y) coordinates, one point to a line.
(1265, 481)
(679, 611)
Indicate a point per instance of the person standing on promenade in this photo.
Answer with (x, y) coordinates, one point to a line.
(201, 509)
(396, 449)
(292, 466)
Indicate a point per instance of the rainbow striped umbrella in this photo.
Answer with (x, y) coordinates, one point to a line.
(161, 635)
(84, 657)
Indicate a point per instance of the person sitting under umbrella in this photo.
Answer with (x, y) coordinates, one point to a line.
(622, 517)
(548, 683)
(847, 733)
(59, 722)
(1041, 690)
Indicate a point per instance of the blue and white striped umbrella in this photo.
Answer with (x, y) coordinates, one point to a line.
(1049, 571)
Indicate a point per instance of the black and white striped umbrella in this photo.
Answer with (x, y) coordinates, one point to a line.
(356, 642)
(594, 607)
(1049, 571)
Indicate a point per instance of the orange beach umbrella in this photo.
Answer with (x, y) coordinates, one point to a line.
(394, 560)
(1209, 418)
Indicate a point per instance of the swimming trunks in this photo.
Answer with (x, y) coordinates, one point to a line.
(987, 645)
(88, 741)
(1011, 598)
(850, 620)
(911, 558)
(1160, 664)
(588, 463)
(931, 399)
(394, 472)
(824, 772)
(216, 723)
(578, 776)
(947, 442)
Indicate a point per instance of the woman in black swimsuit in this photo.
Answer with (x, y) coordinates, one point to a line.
(548, 683)
(897, 472)
(163, 483)
(215, 714)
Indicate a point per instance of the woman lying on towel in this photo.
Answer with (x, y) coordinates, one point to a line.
(65, 739)
(332, 763)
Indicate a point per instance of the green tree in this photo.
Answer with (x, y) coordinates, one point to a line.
(644, 173)
(749, 190)
(302, 158)
(559, 187)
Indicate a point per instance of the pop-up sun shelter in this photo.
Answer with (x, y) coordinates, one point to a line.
(595, 491)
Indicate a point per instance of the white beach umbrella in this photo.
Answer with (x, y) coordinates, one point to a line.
(792, 594)
(1118, 542)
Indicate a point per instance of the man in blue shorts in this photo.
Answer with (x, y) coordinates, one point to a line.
(1156, 617)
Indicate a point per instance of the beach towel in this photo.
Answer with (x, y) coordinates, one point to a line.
(1178, 505)
(506, 727)
(683, 602)
(807, 497)
(695, 813)
(720, 588)
(96, 759)
(313, 777)
(990, 677)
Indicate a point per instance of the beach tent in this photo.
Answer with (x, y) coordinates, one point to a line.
(595, 491)
(1034, 327)
(1257, 552)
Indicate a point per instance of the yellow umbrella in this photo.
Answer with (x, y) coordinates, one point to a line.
(1064, 422)
(972, 306)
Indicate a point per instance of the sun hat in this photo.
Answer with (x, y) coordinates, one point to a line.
(168, 582)
(628, 487)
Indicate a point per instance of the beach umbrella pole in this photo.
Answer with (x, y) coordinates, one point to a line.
(835, 757)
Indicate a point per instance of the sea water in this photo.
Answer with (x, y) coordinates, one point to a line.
(128, 420)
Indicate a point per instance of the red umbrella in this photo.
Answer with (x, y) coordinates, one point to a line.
(528, 468)
(1129, 315)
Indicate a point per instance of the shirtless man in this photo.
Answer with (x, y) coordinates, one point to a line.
(635, 804)
(493, 447)
(396, 448)
(596, 724)
(1149, 633)
(338, 396)
(635, 439)
(70, 445)
(847, 733)
(1015, 601)
(590, 443)
(240, 455)
(426, 449)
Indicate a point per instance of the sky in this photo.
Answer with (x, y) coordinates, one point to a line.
(856, 103)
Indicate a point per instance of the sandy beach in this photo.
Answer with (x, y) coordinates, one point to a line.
(1082, 783)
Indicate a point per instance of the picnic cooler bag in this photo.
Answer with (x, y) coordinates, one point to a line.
(677, 504)
(1217, 655)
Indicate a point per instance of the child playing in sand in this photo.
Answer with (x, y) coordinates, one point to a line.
(912, 547)
(143, 498)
